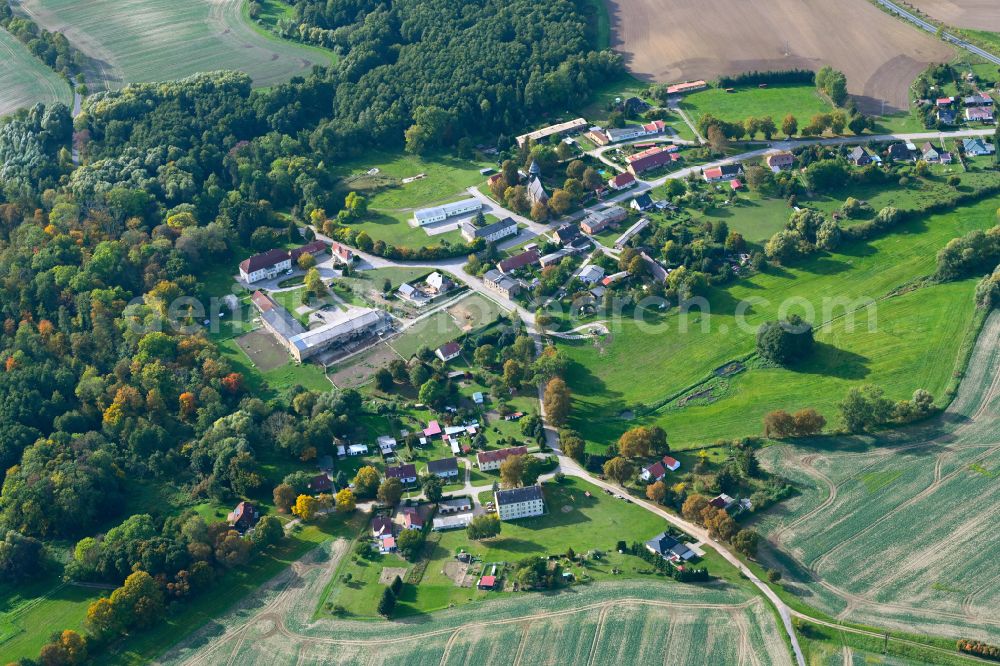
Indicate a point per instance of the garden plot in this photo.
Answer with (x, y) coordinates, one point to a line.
(263, 350)
(900, 531)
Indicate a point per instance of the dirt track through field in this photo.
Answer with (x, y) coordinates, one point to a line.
(972, 14)
(677, 40)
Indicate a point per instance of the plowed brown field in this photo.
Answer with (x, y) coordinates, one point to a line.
(972, 14)
(677, 40)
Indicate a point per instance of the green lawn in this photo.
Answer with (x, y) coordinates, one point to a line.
(801, 101)
(25, 80)
(309, 375)
(643, 365)
(431, 332)
(30, 612)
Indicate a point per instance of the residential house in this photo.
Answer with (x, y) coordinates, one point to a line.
(860, 156)
(669, 548)
(519, 502)
(357, 450)
(491, 233)
(653, 472)
(591, 274)
(566, 233)
(651, 158)
(671, 464)
(945, 157)
(724, 172)
(478, 398)
(599, 220)
(979, 114)
(411, 518)
(634, 106)
(341, 253)
(554, 257)
(320, 483)
(243, 517)
(425, 216)
(487, 583)
(941, 102)
(265, 266)
(642, 202)
(899, 152)
(976, 147)
(947, 116)
(977, 100)
(622, 181)
(448, 351)
(536, 191)
(387, 544)
(408, 292)
(501, 284)
(438, 283)
(490, 460)
(381, 526)
(656, 269)
(780, 161)
(386, 444)
(518, 261)
(722, 501)
(929, 153)
(314, 248)
(446, 468)
(406, 473)
(432, 430)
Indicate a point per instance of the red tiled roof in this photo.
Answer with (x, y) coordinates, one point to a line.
(622, 179)
(263, 260)
(502, 454)
(487, 581)
(313, 248)
(714, 172)
(449, 349)
(670, 462)
(518, 261)
(433, 428)
(656, 470)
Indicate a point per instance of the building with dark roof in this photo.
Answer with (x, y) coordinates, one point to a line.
(406, 473)
(520, 502)
(501, 284)
(566, 233)
(491, 232)
(244, 516)
(445, 468)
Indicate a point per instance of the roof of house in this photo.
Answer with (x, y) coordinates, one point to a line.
(501, 454)
(622, 179)
(320, 482)
(519, 495)
(449, 349)
(656, 470)
(518, 261)
(381, 525)
(722, 501)
(487, 581)
(411, 516)
(404, 471)
(264, 260)
(777, 159)
(567, 232)
(898, 150)
(498, 278)
(443, 465)
(243, 511)
(315, 247)
(662, 543)
(671, 463)
(976, 112)
(496, 227)
(644, 200)
(433, 428)
(592, 273)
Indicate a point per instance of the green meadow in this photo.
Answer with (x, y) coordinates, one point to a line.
(801, 101)
(657, 372)
(25, 81)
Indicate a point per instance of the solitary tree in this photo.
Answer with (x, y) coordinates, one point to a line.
(619, 470)
(483, 527)
(556, 401)
(345, 500)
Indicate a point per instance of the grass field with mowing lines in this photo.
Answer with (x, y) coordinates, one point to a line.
(25, 81)
(642, 364)
(34, 610)
(801, 101)
(132, 41)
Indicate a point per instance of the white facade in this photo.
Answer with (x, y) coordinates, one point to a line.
(267, 273)
(519, 502)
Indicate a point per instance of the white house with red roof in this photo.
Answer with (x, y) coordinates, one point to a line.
(489, 460)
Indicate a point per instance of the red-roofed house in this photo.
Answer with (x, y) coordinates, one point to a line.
(780, 161)
(735, 184)
(321, 483)
(244, 516)
(487, 582)
(342, 252)
(448, 351)
(488, 460)
(517, 262)
(686, 87)
(653, 472)
(672, 464)
(621, 181)
(381, 526)
(412, 520)
(650, 159)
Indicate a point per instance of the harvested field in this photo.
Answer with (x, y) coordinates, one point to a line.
(24, 80)
(699, 625)
(677, 40)
(359, 370)
(971, 14)
(900, 530)
(131, 41)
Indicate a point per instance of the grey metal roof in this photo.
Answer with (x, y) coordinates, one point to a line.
(518, 495)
